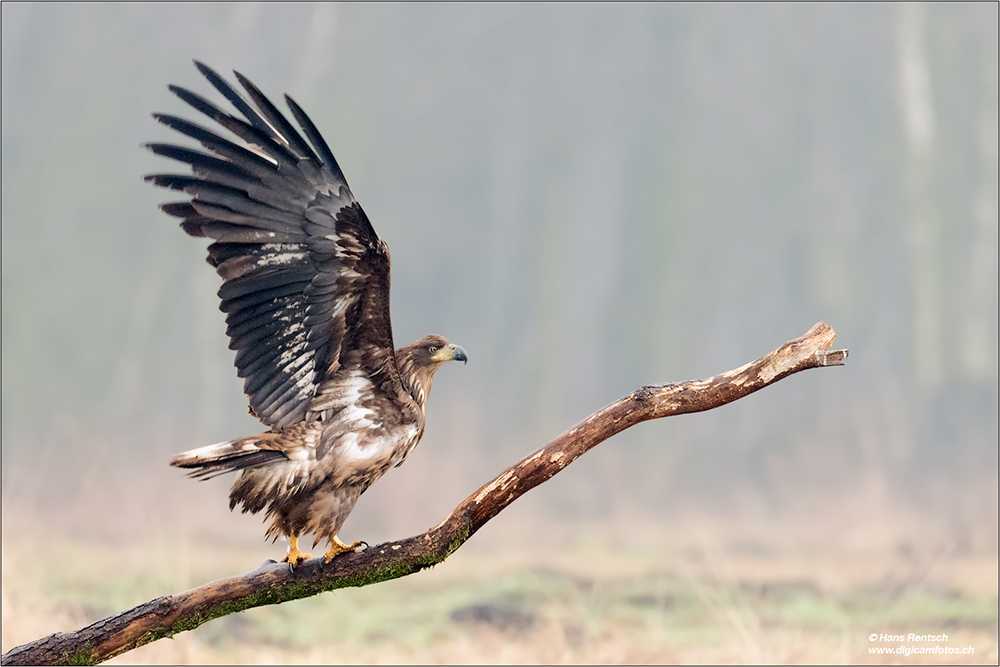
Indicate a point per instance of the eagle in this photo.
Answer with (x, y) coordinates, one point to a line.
(306, 295)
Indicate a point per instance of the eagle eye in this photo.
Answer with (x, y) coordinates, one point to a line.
(433, 348)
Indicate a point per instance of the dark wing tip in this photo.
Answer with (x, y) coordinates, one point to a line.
(193, 228)
(214, 77)
(325, 154)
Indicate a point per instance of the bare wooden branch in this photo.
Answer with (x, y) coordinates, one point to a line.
(274, 583)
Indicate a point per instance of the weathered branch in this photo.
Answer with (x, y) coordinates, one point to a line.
(273, 583)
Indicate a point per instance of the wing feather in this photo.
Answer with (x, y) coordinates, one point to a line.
(262, 297)
(248, 159)
(205, 165)
(254, 316)
(248, 132)
(227, 233)
(261, 359)
(316, 138)
(277, 121)
(236, 99)
(305, 277)
(263, 280)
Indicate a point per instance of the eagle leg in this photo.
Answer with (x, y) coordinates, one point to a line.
(294, 555)
(337, 547)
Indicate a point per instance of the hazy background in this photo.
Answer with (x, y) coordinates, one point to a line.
(588, 198)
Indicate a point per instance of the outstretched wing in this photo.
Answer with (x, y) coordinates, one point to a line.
(305, 276)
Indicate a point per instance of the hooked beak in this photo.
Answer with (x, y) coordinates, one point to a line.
(450, 352)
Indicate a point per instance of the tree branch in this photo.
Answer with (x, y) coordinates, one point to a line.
(274, 583)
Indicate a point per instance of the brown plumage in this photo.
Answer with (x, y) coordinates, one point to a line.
(306, 293)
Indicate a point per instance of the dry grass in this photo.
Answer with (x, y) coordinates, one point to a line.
(737, 592)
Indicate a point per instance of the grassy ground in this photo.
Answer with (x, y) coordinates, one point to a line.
(627, 594)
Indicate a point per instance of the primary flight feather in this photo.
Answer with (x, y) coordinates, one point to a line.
(306, 295)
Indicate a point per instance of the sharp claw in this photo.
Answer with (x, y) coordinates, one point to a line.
(337, 547)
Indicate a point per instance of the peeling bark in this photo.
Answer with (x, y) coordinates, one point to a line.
(273, 583)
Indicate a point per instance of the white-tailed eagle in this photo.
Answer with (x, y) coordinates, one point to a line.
(306, 295)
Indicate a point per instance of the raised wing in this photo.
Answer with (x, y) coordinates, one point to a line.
(305, 276)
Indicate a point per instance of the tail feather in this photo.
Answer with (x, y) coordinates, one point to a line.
(218, 459)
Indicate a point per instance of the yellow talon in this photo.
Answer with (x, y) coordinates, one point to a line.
(337, 547)
(294, 555)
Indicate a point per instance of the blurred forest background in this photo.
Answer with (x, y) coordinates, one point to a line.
(588, 198)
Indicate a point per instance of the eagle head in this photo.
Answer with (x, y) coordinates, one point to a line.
(435, 350)
(418, 363)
